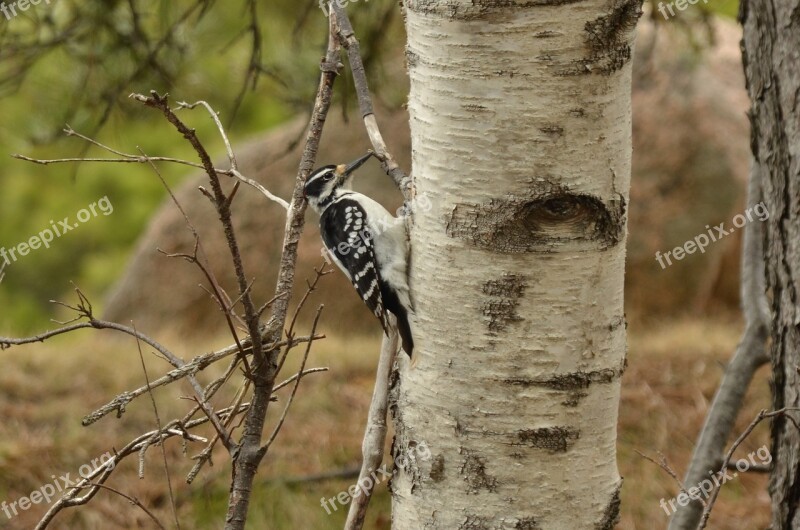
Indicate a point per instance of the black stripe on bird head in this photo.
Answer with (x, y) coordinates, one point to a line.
(321, 183)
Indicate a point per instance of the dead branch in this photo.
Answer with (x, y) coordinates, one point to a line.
(197, 364)
(263, 344)
(83, 309)
(312, 286)
(200, 259)
(234, 171)
(751, 353)
(347, 37)
(375, 433)
(250, 455)
(92, 482)
(146, 159)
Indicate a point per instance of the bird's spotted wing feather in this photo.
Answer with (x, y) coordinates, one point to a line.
(346, 235)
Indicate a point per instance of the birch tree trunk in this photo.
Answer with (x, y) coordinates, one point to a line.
(521, 134)
(772, 67)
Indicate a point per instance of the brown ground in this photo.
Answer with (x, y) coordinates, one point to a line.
(45, 390)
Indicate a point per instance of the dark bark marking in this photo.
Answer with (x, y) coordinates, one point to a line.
(619, 321)
(554, 131)
(573, 384)
(501, 307)
(477, 9)
(574, 399)
(608, 39)
(554, 439)
(509, 286)
(528, 523)
(437, 469)
(404, 456)
(543, 221)
(500, 313)
(474, 522)
(473, 107)
(569, 381)
(473, 469)
(412, 58)
(611, 514)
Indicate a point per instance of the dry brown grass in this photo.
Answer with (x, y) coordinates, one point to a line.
(45, 390)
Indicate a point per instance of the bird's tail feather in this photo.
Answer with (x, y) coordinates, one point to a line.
(404, 329)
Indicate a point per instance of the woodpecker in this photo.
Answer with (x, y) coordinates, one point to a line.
(366, 242)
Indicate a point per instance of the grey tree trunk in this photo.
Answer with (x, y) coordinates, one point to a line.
(772, 66)
(521, 135)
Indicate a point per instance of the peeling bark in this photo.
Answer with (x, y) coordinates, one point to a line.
(520, 118)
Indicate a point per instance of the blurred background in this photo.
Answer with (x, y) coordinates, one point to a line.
(257, 63)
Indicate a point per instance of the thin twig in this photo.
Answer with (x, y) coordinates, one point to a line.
(158, 425)
(294, 389)
(132, 500)
(664, 464)
(234, 171)
(764, 414)
(311, 287)
(84, 310)
(219, 294)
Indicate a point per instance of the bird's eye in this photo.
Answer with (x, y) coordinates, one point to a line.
(328, 176)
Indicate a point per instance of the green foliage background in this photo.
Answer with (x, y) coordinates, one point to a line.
(207, 59)
(43, 86)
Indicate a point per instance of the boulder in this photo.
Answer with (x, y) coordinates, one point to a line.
(690, 165)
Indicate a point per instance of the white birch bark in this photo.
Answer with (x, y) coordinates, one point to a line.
(521, 133)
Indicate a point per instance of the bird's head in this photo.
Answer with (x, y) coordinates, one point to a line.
(323, 183)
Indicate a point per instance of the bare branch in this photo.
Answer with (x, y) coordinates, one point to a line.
(234, 171)
(375, 433)
(750, 354)
(251, 455)
(219, 294)
(201, 362)
(100, 474)
(348, 39)
(312, 286)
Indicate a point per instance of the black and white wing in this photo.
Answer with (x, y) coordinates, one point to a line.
(346, 235)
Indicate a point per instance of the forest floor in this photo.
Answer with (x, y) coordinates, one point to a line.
(45, 390)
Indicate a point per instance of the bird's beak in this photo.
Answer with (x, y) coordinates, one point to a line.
(345, 171)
